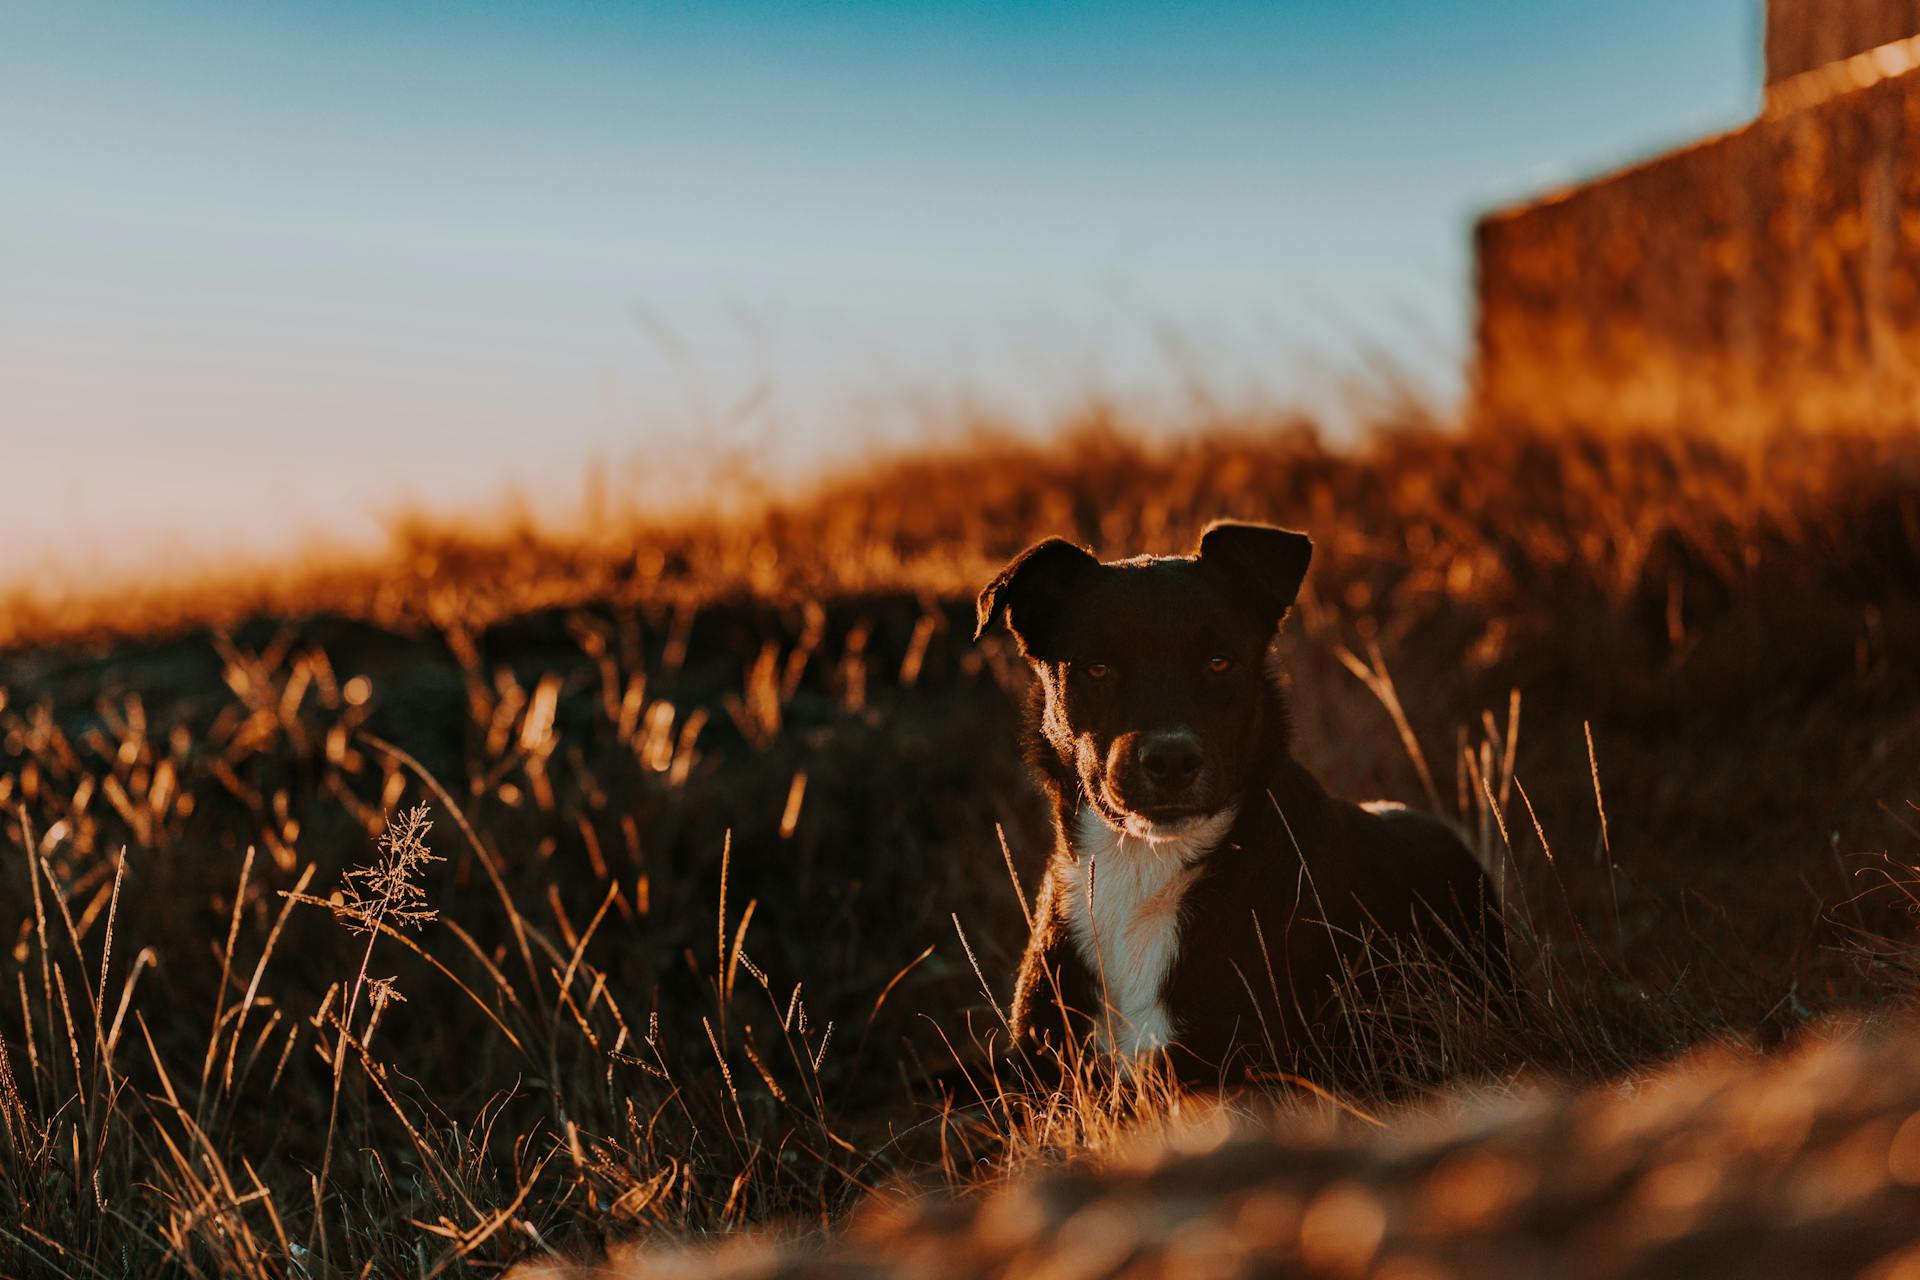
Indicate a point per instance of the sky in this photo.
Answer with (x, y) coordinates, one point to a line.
(274, 270)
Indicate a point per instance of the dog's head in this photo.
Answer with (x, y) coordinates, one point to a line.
(1154, 691)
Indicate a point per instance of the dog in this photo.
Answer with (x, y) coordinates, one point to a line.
(1206, 899)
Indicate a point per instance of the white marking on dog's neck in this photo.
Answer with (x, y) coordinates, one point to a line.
(1124, 891)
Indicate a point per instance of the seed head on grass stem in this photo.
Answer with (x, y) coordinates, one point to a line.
(386, 891)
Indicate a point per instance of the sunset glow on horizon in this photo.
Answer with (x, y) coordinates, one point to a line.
(275, 272)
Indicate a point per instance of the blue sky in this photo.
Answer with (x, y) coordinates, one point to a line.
(275, 266)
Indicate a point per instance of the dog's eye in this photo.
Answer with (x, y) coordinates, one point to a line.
(1096, 670)
(1219, 665)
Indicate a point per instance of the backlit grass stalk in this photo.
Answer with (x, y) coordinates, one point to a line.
(384, 893)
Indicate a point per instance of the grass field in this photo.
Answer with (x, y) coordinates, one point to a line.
(714, 906)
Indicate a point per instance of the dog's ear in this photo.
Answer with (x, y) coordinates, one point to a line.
(1267, 562)
(1032, 592)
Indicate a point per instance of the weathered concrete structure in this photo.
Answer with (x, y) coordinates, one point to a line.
(1803, 35)
(1767, 277)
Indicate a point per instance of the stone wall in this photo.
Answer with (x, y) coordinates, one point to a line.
(1767, 277)
(1805, 34)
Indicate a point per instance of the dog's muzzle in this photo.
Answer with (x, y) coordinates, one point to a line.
(1160, 777)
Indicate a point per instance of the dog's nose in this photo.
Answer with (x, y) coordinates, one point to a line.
(1171, 760)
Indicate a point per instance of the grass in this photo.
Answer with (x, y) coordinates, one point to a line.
(714, 910)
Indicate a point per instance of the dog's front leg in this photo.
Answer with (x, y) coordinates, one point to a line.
(1054, 998)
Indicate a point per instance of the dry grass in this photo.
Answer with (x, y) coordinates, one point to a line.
(721, 807)
(1723, 1164)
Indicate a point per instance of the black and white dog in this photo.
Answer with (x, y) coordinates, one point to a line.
(1205, 895)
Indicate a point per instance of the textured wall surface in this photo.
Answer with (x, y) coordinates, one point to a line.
(1767, 277)
(1804, 34)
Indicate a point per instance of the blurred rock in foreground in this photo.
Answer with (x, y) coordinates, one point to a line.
(1723, 1164)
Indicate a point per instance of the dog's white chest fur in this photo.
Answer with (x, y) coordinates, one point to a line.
(1123, 897)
